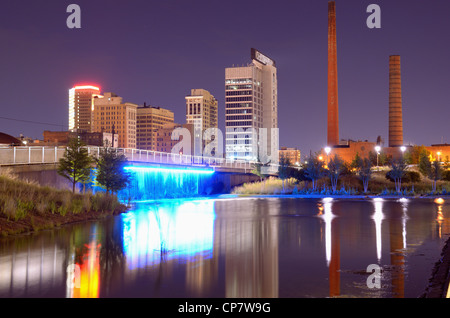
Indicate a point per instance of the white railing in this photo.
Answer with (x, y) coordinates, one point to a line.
(48, 155)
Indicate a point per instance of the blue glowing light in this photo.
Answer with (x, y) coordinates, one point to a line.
(180, 228)
(175, 170)
(149, 183)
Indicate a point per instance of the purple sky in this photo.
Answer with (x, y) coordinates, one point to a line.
(156, 51)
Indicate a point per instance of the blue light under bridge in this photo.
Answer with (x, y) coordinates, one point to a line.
(151, 182)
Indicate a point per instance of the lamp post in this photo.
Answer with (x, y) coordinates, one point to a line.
(377, 149)
(403, 149)
(327, 150)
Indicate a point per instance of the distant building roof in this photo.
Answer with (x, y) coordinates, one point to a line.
(6, 139)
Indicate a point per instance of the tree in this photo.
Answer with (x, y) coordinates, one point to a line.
(314, 170)
(335, 169)
(355, 161)
(364, 172)
(283, 170)
(435, 173)
(416, 152)
(397, 172)
(424, 163)
(76, 163)
(111, 174)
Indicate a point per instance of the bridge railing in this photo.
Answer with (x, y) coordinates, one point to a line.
(39, 155)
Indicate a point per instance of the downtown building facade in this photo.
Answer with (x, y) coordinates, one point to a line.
(113, 115)
(251, 109)
(149, 120)
(202, 114)
(81, 107)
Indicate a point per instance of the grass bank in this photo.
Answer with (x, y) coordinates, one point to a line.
(28, 207)
(347, 185)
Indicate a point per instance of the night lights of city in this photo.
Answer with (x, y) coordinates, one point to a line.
(225, 157)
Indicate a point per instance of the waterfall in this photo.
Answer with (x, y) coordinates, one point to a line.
(149, 183)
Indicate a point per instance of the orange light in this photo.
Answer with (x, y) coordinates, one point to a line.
(439, 201)
(89, 273)
(320, 158)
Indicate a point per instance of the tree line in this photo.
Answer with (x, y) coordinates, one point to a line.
(314, 169)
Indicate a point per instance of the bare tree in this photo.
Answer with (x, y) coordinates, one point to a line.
(364, 172)
(398, 171)
(335, 169)
(435, 173)
(314, 170)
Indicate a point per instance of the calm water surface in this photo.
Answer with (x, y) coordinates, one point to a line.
(246, 247)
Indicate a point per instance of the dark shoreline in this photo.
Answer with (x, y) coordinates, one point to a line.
(439, 282)
(35, 222)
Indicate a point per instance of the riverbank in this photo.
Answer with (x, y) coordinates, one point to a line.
(27, 207)
(336, 196)
(35, 222)
(438, 286)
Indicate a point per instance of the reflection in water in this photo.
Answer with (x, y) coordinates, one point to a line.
(244, 247)
(378, 219)
(86, 258)
(250, 244)
(31, 268)
(440, 215)
(155, 235)
(404, 202)
(327, 216)
(332, 246)
(157, 232)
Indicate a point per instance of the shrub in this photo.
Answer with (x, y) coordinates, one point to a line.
(410, 176)
(446, 175)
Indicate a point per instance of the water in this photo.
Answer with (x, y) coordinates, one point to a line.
(166, 182)
(248, 247)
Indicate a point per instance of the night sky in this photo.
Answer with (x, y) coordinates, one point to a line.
(156, 51)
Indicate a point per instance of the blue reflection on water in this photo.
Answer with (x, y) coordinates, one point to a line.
(157, 230)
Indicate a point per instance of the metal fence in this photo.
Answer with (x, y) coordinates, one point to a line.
(47, 155)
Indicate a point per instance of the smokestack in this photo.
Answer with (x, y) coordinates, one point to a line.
(395, 102)
(333, 110)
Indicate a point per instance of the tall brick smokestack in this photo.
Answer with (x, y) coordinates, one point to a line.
(333, 110)
(395, 102)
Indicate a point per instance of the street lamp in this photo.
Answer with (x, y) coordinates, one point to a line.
(377, 149)
(403, 149)
(327, 150)
(439, 156)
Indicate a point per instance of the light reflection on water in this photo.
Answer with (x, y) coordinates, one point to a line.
(176, 230)
(246, 247)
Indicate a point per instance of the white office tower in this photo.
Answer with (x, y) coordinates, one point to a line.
(251, 110)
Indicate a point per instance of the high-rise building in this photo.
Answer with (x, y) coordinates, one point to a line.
(81, 106)
(201, 112)
(111, 114)
(333, 109)
(251, 103)
(164, 142)
(395, 103)
(149, 120)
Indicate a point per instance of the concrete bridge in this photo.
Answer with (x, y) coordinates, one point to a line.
(39, 164)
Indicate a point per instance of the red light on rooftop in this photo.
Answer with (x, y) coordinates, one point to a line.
(87, 87)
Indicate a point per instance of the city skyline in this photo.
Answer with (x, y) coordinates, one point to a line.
(149, 59)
